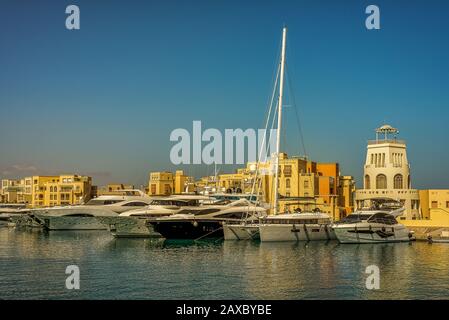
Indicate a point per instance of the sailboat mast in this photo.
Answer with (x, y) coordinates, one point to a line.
(278, 134)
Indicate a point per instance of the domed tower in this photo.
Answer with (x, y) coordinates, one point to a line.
(387, 172)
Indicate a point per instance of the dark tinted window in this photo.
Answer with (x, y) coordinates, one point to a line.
(135, 204)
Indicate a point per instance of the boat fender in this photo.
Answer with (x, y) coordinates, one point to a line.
(195, 224)
(383, 229)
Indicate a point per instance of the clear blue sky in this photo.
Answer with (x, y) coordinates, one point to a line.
(103, 100)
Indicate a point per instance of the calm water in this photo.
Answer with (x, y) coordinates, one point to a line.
(32, 266)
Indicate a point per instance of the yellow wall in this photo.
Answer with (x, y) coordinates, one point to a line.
(113, 189)
(435, 213)
(50, 191)
(167, 183)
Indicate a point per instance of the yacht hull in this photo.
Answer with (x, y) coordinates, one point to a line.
(129, 227)
(191, 230)
(241, 232)
(295, 232)
(371, 233)
(23, 220)
(69, 223)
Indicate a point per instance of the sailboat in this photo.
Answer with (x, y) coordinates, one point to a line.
(287, 226)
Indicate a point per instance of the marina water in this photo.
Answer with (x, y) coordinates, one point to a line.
(33, 264)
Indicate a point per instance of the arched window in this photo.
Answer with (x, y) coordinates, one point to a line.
(367, 182)
(381, 181)
(51, 189)
(287, 183)
(55, 189)
(398, 181)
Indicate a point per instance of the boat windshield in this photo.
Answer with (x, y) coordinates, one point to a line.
(353, 218)
(295, 221)
(383, 218)
(178, 203)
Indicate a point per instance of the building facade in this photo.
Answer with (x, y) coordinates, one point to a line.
(167, 183)
(49, 191)
(16, 190)
(111, 189)
(387, 173)
(303, 184)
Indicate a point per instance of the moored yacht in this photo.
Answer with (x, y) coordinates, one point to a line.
(307, 226)
(133, 223)
(84, 217)
(374, 224)
(14, 214)
(206, 222)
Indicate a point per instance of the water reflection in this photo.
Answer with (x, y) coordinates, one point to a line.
(33, 264)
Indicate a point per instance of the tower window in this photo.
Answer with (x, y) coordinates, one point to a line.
(367, 182)
(398, 181)
(381, 181)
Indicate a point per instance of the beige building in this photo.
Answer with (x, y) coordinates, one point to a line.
(16, 190)
(48, 191)
(435, 214)
(112, 189)
(387, 173)
(167, 183)
(303, 184)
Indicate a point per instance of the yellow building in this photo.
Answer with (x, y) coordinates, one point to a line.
(434, 212)
(303, 184)
(113, 189)
(16, 190)
(167, 183)
(48, 191)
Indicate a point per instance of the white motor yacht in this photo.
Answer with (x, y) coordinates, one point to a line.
(307, 226)
(83, 217)
(133, 223)
(374, 224)
(207, 222)
(12, 214)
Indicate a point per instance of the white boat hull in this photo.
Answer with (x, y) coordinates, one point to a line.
(241, 232)
(128, 227)
(371, 233)
(70, 223)
(295, 232)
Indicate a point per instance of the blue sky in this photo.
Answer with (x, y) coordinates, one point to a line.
(103, 100)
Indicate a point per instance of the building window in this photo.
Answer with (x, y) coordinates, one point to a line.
(398, 184)
(434, 204)
(306, 183)
(288, 171)
(367, 182)
(381, 181)
(287, 183)
(447, 204)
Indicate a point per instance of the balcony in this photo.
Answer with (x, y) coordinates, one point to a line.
(383, 141)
